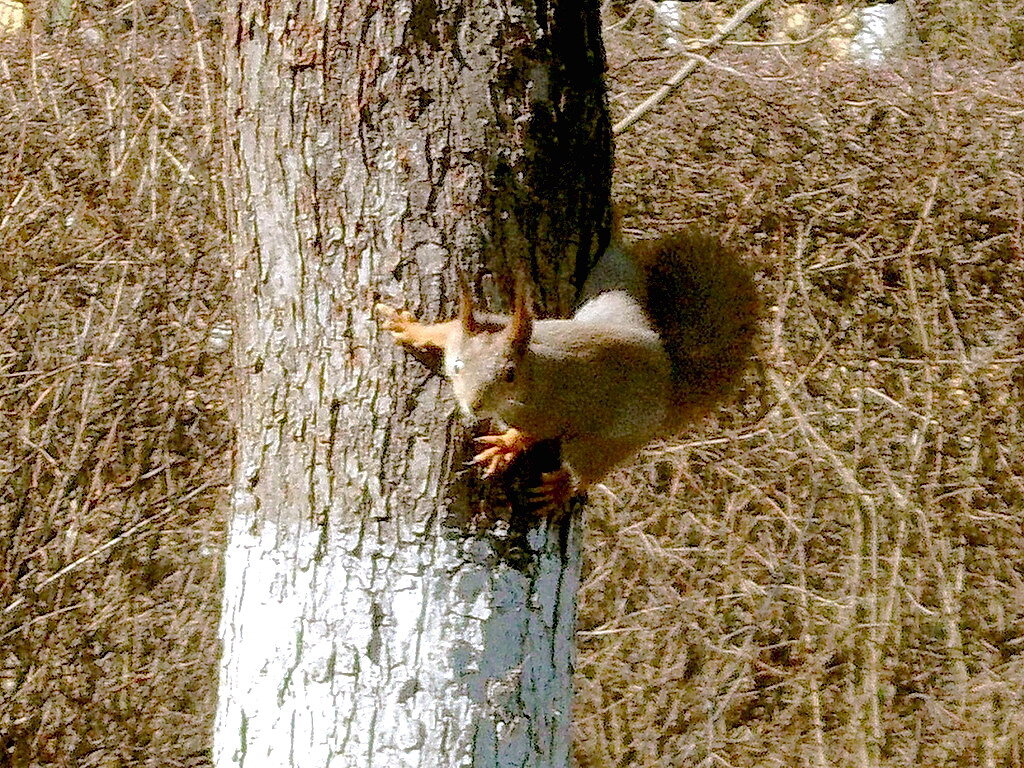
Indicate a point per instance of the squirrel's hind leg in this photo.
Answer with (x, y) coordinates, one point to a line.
(554, 491)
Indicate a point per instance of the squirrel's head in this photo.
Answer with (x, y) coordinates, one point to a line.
(484, 360)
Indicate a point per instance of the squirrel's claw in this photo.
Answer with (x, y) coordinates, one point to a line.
(400, 323)
(494, 458)
(504, 449)
(389, 316)
(554, 491)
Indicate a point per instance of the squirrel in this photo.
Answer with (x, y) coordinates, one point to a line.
(663, 334)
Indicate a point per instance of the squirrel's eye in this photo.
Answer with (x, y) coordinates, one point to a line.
(456, 365)
(508, 373)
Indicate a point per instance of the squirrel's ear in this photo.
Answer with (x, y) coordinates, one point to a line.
(467, 319)
(520, 328)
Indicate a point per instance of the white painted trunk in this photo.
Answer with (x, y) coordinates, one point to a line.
(376, 611)
(356, 652)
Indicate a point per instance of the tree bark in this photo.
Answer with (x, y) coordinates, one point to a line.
(377, 611)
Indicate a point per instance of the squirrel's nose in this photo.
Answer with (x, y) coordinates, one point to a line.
(467, 405)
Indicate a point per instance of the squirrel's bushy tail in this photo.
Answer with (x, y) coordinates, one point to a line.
(703, 302)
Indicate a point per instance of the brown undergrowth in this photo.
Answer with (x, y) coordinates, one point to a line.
(113, 433)
(831, 573)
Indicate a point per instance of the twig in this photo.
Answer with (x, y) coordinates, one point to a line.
(673, 82)
(838, 16)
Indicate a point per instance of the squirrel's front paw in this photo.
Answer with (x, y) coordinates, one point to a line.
(401, 324)
(504, 449)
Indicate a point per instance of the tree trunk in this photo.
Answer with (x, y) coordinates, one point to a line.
(377, 612)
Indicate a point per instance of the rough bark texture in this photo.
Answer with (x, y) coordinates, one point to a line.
(376, 612)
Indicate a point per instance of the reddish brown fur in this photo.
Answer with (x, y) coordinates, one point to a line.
(704, 306)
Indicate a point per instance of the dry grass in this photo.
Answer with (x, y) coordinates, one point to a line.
(113, 432)
(828, 574)
(839, 582)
